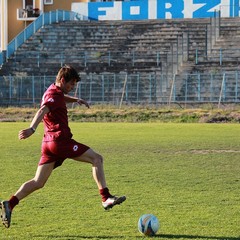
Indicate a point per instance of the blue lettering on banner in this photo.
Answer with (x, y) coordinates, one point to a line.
(174, 7)
(203, 12)
(135, 10)
(93, 9)
(158, 9)
(236, 8)
(231, 8)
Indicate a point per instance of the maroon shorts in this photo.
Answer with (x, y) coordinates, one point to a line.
(58, 151)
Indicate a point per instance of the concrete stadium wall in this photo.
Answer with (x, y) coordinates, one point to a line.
(156, 9)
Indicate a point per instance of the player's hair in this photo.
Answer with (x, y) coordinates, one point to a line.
(68, 73)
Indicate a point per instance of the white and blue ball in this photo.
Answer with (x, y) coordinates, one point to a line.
(148, 224)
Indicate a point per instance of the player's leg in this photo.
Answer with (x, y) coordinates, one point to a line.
(97, 166)
(108, 200)
(42, 174)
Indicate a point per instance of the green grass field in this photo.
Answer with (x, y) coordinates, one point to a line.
(188, 175)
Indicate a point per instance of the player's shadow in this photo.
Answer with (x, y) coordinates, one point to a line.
(162, 236)
(171, 236)
(77, 237)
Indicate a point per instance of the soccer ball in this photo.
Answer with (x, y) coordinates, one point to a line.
(148, 224)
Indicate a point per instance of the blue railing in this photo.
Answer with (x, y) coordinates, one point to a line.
(43, 19)
(1, 58)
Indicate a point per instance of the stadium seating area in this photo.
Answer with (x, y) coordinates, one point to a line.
(109, 46)
(173, 48)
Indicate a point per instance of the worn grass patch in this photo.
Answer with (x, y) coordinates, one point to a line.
(109, 113)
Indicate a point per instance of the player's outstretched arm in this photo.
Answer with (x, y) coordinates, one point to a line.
(82, 101)
(70, 99)
(25, 133)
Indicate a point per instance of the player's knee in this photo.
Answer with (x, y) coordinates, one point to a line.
(39, 184)
(98, 160)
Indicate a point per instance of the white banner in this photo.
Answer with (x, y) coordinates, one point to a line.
(156, 9)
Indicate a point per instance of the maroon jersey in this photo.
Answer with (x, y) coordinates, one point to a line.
(56, 121)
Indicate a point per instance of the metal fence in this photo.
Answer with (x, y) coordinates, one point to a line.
(117, 89)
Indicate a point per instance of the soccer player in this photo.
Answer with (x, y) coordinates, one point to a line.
(58, 145)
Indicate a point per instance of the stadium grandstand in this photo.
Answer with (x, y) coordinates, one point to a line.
(138, 61)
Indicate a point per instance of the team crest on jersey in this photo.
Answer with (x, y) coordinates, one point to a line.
(75, 148)
(50, 100)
